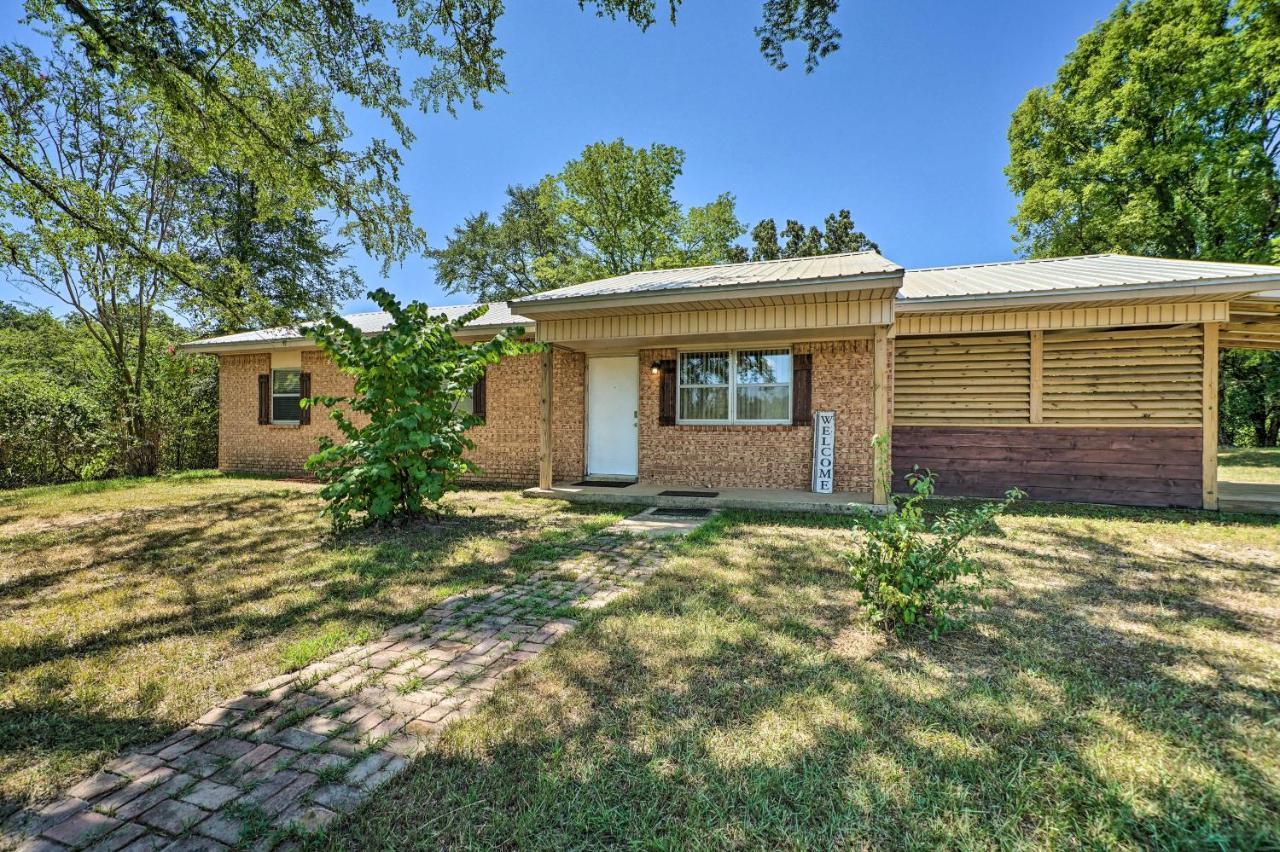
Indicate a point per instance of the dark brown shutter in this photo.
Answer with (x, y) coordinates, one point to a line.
(801, 388)
(304, 391)
(667, 393)
(264, 399)
(479, 394)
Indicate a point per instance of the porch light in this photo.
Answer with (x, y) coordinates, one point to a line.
(655, 368)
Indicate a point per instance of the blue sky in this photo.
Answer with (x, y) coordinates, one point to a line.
(904, 125)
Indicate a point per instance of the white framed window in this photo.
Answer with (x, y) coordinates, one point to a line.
(734, 386)
(286, 391)
(467, 404)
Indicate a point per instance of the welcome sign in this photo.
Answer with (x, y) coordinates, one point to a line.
(824, 452)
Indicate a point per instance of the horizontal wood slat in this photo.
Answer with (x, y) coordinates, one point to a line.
(1128, 465)
(1127, 377)
(978, 378)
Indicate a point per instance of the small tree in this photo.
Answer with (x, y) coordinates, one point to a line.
(410, 381)
(913, 572)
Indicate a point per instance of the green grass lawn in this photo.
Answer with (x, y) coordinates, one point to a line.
(129, 608)
(1122, 691)
(1250, 465)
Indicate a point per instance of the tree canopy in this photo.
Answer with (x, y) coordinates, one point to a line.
(609, 212)
(260, 89)
(837, 234)
(1160, 136)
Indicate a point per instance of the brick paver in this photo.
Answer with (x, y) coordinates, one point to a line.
(289, 755)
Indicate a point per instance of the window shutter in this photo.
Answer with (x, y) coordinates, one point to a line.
(264, 399)
(478, 395)
(801, 388)
(667, 393)
(304, 391)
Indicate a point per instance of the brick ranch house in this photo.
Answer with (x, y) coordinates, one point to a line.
(1079, 379)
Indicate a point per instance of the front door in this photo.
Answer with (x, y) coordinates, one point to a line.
(613, 399)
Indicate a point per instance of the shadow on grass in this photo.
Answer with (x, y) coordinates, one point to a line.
(1102, 702)
(128, 597)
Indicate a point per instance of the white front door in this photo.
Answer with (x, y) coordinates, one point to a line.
(613, 400)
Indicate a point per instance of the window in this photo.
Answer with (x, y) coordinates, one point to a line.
(742, 386)
(286, 390)
(467, 404)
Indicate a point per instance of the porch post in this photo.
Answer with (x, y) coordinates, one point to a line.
(1209, 413)
(880, 414)
(544, 420)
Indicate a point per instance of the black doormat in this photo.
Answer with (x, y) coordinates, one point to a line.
(688, 493)
(681, 513)
(606, 483)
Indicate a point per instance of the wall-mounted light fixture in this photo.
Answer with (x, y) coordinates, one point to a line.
(655, 367)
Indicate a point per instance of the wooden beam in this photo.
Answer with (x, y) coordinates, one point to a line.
(1037, 376)
(544, 419)
(881, 466)
(1209, 410)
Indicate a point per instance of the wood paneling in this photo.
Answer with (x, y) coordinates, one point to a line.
(791, 317)
(1129, 376)
(977, 378)
(1127, 465)
(1060, 318)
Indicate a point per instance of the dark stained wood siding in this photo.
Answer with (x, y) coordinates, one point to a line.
(1127, 466)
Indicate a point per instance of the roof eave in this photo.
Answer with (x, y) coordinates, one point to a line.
(1239, 285)
(214, 348)
(679, 295)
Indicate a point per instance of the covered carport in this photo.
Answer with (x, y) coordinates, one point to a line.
(1254, 324)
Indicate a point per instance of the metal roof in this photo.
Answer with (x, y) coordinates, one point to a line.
(831, 267)
(1089, 272)
(499, 315)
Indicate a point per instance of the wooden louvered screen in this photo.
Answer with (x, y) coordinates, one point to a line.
(972, 378)
(1126, 377)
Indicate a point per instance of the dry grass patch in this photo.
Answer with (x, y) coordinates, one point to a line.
(128, 608)
(1121, 692)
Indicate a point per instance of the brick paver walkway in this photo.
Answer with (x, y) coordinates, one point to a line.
(289, 755)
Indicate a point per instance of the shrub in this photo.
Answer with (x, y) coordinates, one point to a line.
(48, 432)
(917, 574)
(410, 381)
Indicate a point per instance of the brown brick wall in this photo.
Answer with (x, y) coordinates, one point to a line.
(766, 456)
(246, 446)
(506, 445)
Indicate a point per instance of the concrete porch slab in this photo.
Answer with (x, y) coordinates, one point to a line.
(760, 499)
(1263, 498)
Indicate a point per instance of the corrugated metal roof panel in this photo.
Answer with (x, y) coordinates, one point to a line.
(370, 322)
(1067, 273)
(804, 269)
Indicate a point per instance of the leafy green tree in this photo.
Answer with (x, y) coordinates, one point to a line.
(259, 89)
(102, 146)
(404, 425)
(609, 212)
(268, 269)
(1250, 409)
(837, 235)
(1160, 136)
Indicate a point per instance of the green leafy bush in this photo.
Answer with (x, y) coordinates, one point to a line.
(914, 573)
(410, 382)
(48, 432)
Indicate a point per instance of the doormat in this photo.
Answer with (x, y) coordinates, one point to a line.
(606, 483)
(688, 493)
(681, 513)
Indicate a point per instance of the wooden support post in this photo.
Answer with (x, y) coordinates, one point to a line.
(881, 466)
(1037, 377)
(1209, 411)
(544, 420)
